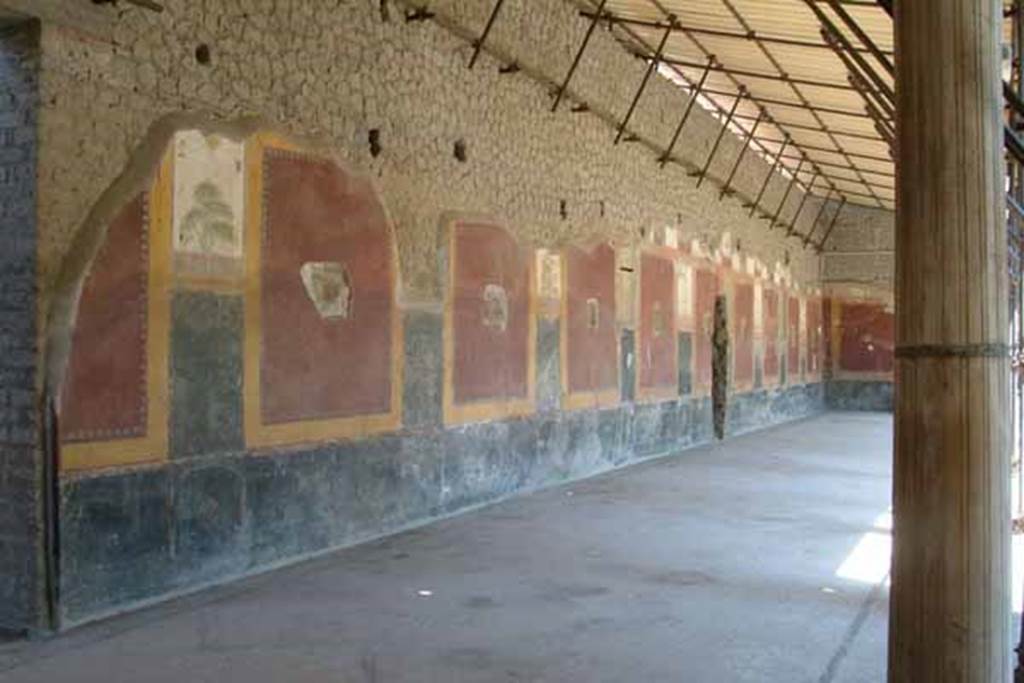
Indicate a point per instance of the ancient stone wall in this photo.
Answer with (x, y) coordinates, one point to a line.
(858, 276)
(235, 449)
(20, 465)
(861, 249)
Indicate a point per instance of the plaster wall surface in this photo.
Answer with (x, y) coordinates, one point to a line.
(20, 465)
(339, 76)
(858, 270)
(861, 249)
(337, 72)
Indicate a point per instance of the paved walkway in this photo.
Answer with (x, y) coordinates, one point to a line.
(759, 560)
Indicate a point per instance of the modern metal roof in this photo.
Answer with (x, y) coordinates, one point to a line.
(814, 76)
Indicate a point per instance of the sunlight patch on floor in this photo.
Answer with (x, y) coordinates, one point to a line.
(869, 561)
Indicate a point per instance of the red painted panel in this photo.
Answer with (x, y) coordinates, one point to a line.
(868, 338)
(491, 359)
(771, 333)
(743, 329)
(658, 361)
(704, 312)
(826, 338)
(104, 396)
(793, 338)
(316, 367)
(815, 337)
(591, 342)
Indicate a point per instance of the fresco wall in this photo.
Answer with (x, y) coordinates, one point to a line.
(233, 469)
(771, 355)
(743, 335)
(270, 397)
(861, 348)
(590, 353)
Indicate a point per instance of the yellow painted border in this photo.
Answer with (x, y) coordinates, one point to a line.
(257, 434)
(481, 411)
(604, 398)
(153, 447)
(657, 393)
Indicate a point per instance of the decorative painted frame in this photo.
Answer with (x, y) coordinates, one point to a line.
(482, 411)
(734, 280)
(704, 268)
(153, 447)
(653, 394)
(258, 434)
(835, 341)
(586, 399)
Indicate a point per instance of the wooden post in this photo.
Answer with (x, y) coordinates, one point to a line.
(950, 603)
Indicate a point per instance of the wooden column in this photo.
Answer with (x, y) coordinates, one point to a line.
(950, 604)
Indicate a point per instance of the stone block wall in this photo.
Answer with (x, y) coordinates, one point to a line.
(21, 478)
(858, 273)
(393, 100)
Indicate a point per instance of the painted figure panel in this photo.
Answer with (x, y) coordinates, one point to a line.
(868, 337)
(657, 357)
(590, 319)
(743, 334)
(704, 314)
(490, 308)
(326, 283)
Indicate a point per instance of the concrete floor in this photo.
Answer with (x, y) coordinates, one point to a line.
(759, 560)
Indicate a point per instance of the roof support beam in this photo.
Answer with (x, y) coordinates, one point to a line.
(694, 94)
(596, 16)
(798, 105)
(756, 74)
(887, 188)
(726, 189)
(816, 148)
(478, 44)
(818, 129)
(862, 36)
(785, 196)
(771, 174)
(742, 21)
(855, 53)
(713, 32)
(718, 141)
(817, 219)
(803, 203)
(832, 226)
(842, 167)
(651, 66)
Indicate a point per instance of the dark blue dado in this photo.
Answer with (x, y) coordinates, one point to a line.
(138, 535)
(858, 395)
